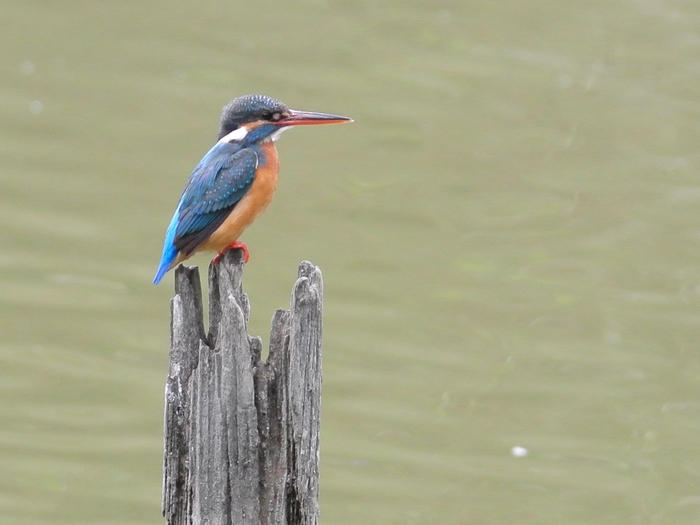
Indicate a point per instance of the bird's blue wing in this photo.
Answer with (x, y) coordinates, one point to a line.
(218, 182)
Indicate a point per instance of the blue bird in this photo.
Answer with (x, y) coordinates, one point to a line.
(235, 181)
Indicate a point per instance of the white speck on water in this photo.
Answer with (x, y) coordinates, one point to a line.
(444, 401)
(27, 68)
(565, 81)
(247, 45)
(443, 16)
(518, 452)
(36, 107)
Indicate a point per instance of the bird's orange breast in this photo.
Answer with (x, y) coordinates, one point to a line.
(251, 205)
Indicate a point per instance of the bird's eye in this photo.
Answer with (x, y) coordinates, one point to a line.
(272, 117)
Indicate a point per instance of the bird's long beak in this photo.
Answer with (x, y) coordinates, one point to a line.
(307, 118)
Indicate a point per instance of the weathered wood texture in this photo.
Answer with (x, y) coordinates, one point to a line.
(242, 435)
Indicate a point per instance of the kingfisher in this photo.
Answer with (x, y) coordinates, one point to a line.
(235, 181)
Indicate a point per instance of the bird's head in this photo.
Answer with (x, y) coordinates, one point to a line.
(255, 118)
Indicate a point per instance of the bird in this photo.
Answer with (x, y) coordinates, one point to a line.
(235, 181)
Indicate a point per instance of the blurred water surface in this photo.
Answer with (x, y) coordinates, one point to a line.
(509, 235)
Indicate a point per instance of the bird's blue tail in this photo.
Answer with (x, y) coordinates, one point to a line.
(169, 250)
(169, 254)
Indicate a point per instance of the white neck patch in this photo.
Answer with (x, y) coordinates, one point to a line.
(277, 133)
(236, 135)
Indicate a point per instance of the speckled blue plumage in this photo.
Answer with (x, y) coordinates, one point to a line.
(246, 109)
(218, 182)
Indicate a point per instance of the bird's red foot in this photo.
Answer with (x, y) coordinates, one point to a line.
(233, 246)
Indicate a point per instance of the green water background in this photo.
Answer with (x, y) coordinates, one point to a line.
(509, 235)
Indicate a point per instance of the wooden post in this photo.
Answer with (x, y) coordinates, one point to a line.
(242, 435)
